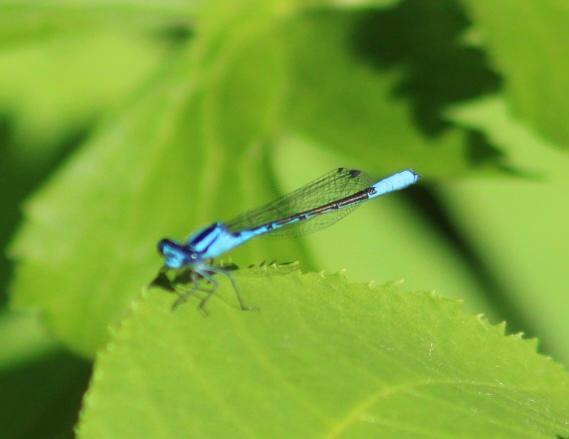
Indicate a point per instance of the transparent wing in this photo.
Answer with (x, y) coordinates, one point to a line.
(332, 186)
(313, 224)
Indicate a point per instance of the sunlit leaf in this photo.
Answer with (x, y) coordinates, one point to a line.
(81, 77)
(321, 357)
(25, 19)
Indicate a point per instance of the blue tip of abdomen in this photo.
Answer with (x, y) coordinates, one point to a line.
(399, 180)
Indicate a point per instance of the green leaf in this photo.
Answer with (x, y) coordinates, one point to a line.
(22, 338)
(162, 168)
(349, 4)
(321, 358)
(25, 19)
(517, 224)
(81, 76)
(529, 45)
(345, 102)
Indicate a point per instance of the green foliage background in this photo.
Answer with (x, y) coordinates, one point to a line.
(122, 122)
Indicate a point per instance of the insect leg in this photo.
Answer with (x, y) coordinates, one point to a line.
(210, 293)
(235, 287)
(183, 296)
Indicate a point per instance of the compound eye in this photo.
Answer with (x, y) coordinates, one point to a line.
(164, 245)
(175, 255)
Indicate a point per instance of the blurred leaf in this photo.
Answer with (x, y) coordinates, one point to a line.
(56, 86)
(22, 338)
(529, 45)
(529, 152)
(342, 101)
(160, 168)
(41, 399)
(351, 4)
(420, 41)
(50, 91)
(321, 358)
(518, 224)
(25, 19)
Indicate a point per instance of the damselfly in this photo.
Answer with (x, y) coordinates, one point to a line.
(312, 207)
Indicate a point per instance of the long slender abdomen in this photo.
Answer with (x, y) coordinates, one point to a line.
(395, 182)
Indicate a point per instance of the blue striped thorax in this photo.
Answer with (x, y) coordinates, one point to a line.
(209, 242)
